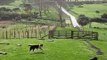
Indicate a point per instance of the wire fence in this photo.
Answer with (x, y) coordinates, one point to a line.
(28, 33)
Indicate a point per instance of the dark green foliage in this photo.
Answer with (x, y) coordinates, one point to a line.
(103, 19)
(7, 14)
(5, 9)
(99, 20)
(27, 6)
(80, 6)
(3, 2)
(104, 16)
(83, 20)
(27, 16)
(10, 14)
(16, 9)
(97, 11)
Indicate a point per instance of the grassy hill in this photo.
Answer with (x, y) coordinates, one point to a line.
(90, 9)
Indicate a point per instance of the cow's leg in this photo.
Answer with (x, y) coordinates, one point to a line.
(30, 48)
(33, 49)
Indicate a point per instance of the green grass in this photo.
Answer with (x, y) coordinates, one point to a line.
(57, 50)
(102, 42)
(60, 49)
(90, 9)
(101, 31)
(102, 46)
(16, 3)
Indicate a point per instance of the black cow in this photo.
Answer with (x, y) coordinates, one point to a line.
(38, 46)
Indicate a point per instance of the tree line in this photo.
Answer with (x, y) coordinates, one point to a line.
(12, 14)
(83, 20)
(2, 2)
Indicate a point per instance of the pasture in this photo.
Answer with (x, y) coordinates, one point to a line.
(16, 40)
(90, 9)
(57, 50)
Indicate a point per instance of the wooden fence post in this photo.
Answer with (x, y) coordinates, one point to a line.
(40, 34)
(49, 35)
(27, 34)
(58, 33)
(18, 34)
(35, 33)
(72, 33)
(14, 34)
(6, 34)
(96, 35)
(23, 34)
(78, 35)
(66, 34)
(10, 34)
(31, 32)
(3, 35)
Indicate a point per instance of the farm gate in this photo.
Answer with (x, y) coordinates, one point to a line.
(73, 35)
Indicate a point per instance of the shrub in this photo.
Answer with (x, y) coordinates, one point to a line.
(97, 11)
(104, 16)
(83, 20)
(5, 9)
(99, 20)
(80, 6)
(16, 9)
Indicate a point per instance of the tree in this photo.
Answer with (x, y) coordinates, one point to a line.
(27, 8)
(83, 20)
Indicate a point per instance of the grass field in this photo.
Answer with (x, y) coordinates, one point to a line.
(102, 46)
(57, 50)
(67, 49)
(90, 9)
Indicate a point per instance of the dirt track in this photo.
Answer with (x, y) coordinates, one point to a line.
(6, 23)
